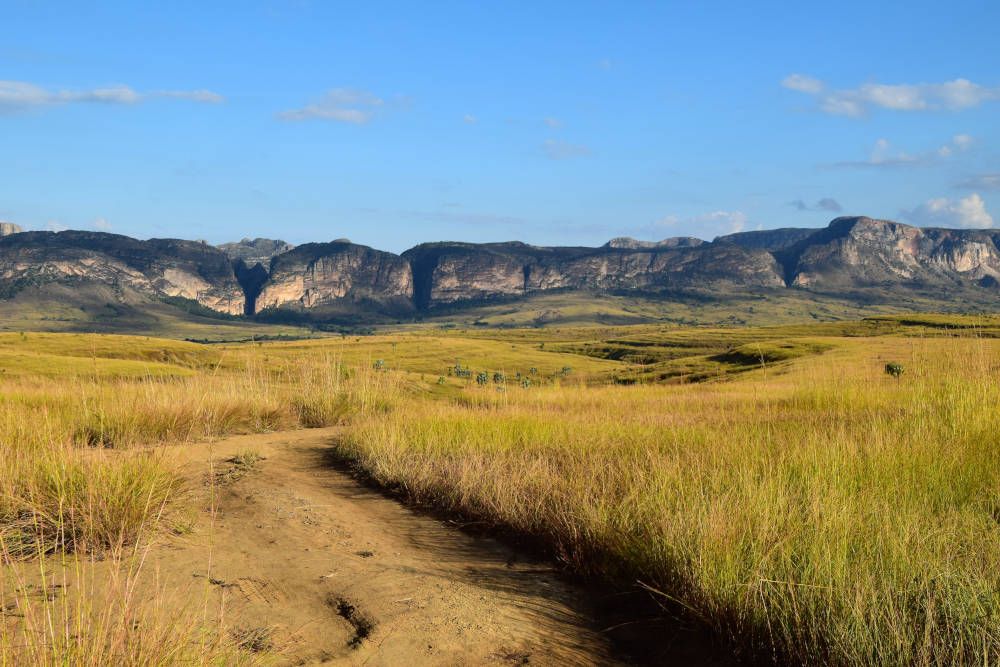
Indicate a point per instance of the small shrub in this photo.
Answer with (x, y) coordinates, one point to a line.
(894, 369)
(247, 459)
(482, 378)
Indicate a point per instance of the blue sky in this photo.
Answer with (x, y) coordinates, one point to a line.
(554, 123)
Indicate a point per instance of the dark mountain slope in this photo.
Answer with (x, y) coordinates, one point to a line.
(157, 267)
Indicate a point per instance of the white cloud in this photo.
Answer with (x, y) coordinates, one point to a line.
(856, 102)
(102, 225)
(345, 105)
(884, 154)
(968, 212)
(708, 225)
(561, 150)
(605, 64)
(963, 141)
(55, 226)
(802, 83)
(18, 95)
(469, 119)
(554, 123)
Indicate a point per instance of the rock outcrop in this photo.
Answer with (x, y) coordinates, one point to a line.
(252, 265)
(255, 251)
(324, 275)
(864, 252)
(157, 267)
(629, 243)
(8, 228)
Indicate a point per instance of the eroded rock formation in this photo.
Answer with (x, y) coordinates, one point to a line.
(340, 277)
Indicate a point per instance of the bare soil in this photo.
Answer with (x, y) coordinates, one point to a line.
(312, 567)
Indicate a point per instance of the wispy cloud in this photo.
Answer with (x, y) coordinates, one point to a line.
(952, 95)
(885, 155)
(981, 182)
(20, 95)
(102, 225)
(553, 123)
(707, 225)
(469, 119)
(562, 150)
(206, 96)
(827, 204)
(344, 105)
(968, 212)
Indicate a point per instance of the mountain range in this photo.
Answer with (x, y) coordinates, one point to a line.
(858, 257)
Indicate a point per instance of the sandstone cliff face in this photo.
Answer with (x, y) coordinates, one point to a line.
(446, 273)
(158, 267)
(8, 228)
(862, 252)
(669, 268)
(322, 274)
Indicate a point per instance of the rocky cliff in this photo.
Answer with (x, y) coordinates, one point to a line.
(8, 228)
(157, 267)
(322, 275)
(864, 252)
(341, 279)
(251, 260)
(447, 273)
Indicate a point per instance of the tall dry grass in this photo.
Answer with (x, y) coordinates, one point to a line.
(84, 490)
(829, 515)
(66, 442)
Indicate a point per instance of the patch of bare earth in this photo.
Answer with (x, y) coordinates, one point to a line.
(307, 566)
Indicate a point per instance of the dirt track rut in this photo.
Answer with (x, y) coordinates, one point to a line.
(336, 572)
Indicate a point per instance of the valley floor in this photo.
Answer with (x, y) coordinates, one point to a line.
(807, 494)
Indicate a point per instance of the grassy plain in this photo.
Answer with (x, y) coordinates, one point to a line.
(774, 483)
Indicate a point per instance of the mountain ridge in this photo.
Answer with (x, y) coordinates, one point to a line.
(332, 280)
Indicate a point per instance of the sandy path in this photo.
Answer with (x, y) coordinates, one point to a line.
(304, 550)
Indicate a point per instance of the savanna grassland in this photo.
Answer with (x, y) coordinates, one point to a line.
(773, 485)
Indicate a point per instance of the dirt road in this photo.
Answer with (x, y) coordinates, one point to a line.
(322, 569)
